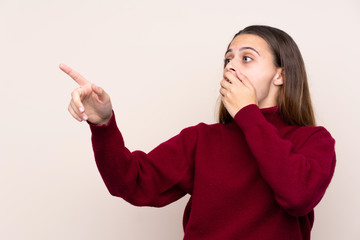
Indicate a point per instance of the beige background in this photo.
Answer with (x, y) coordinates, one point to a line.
(161, 62)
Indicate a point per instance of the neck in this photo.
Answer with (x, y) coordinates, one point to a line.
(268, 102)
(271, 99)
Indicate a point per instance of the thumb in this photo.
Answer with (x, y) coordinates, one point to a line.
(99, 92)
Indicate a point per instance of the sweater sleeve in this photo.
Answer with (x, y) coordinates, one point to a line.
(298, 175)
(155, 179)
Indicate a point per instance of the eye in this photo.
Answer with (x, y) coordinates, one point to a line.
(227, 60)
(247, 59)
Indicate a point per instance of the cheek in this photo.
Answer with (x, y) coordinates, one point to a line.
(261, 81)
(261, 73)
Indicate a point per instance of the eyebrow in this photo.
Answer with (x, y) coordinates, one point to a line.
(244, 48)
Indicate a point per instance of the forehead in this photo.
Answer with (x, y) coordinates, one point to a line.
(250, 40)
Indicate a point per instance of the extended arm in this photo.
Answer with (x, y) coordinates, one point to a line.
(154, 179)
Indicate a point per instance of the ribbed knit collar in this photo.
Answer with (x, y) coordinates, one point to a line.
(270, 110)
(272, 114)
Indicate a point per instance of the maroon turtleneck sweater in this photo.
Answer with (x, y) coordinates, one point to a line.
(254, 178)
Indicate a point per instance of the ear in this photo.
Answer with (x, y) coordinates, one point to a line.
(278, 79)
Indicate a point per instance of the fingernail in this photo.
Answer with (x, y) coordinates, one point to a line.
(81, 109)
(85, 117)
(79, 119)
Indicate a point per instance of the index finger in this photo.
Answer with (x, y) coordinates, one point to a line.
(74, 75)
(242, 78)
(233, 79)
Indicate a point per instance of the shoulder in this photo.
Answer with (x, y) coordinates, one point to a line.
(313, 131)
(205, 132)
(201, 128)
(305, 135)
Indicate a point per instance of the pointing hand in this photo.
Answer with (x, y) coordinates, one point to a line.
(89, 102)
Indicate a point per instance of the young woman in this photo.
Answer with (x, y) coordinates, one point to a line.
(257, 174)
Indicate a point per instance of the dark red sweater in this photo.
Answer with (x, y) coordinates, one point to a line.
(254, 178)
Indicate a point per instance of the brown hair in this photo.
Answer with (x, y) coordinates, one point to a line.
(294, 98)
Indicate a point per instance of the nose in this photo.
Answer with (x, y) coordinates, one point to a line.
(230, 67)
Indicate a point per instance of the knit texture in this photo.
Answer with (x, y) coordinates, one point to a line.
(254, 178)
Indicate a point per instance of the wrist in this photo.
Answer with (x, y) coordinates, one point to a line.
(103, 121)
(106, 120)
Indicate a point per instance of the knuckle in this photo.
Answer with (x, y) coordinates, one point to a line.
(75, 93)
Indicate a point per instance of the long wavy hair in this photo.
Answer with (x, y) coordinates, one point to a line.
(294, 100)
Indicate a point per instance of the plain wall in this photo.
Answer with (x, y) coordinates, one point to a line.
(161, 62)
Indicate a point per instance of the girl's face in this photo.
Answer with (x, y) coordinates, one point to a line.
(250, 55)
